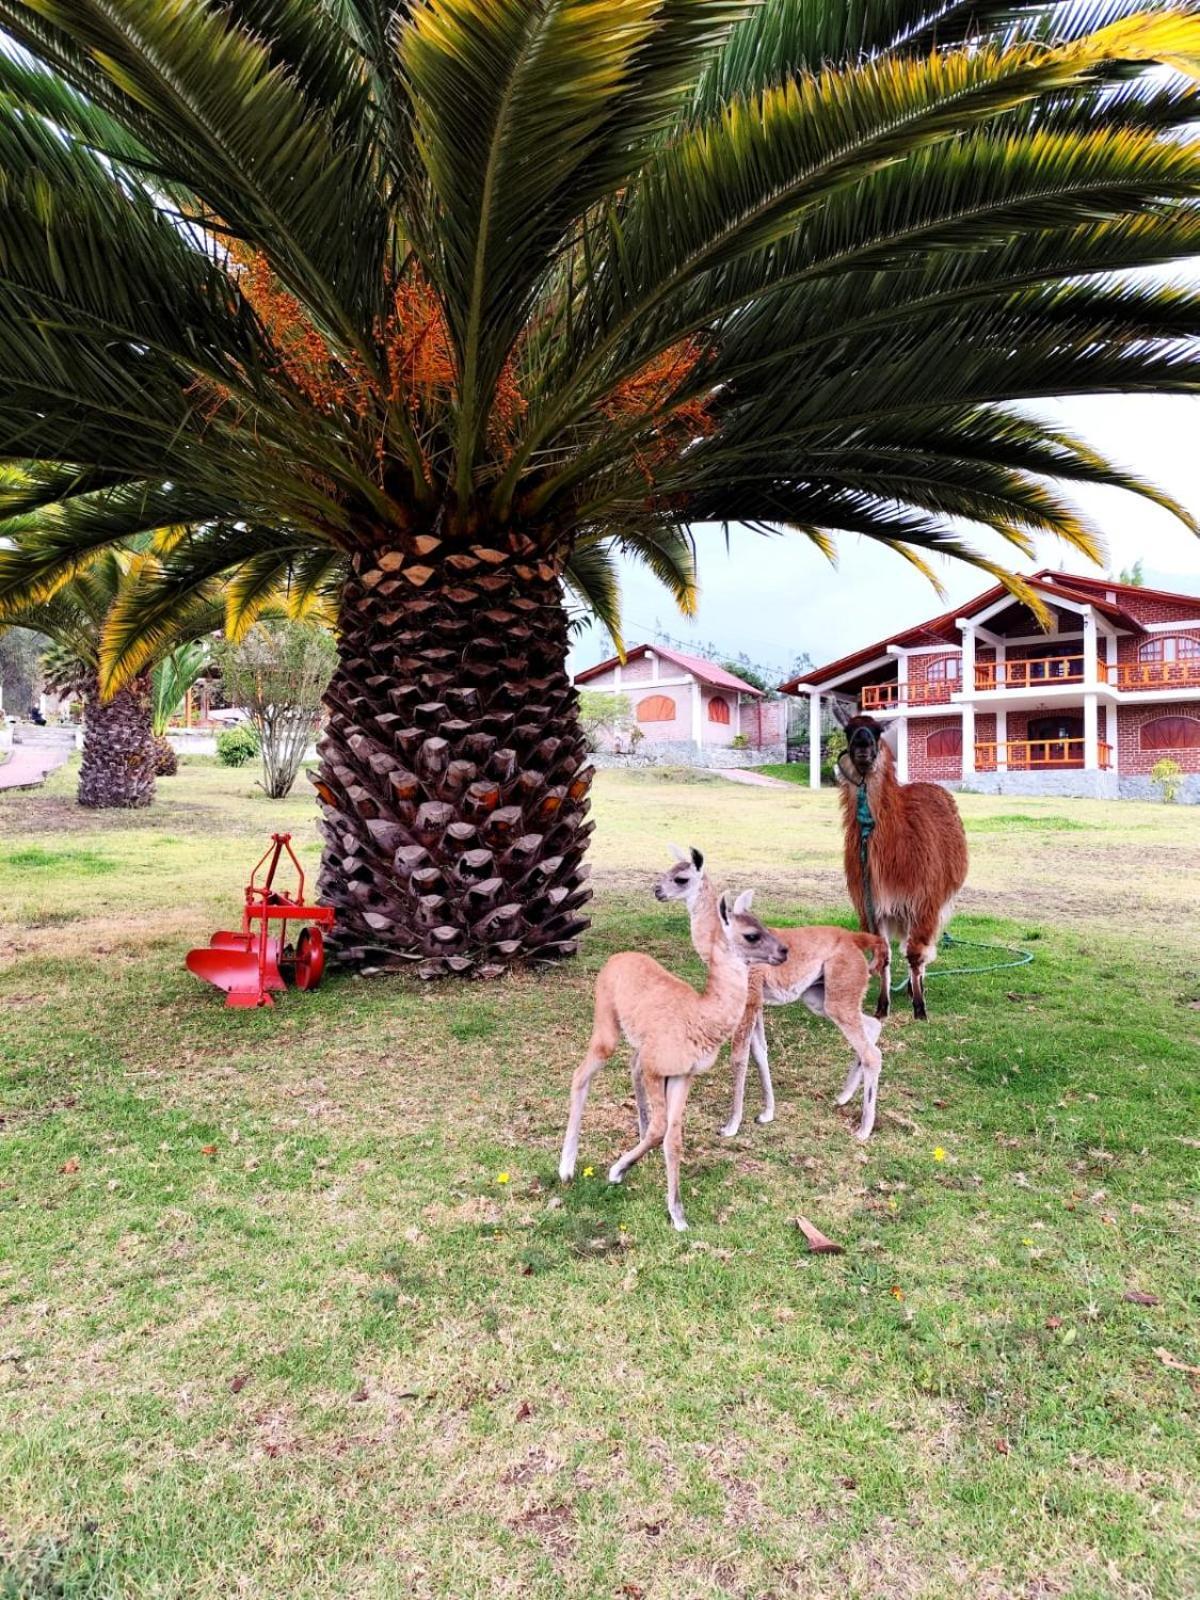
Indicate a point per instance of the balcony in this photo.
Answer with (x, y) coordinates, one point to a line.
(1157, 674)
(1038, 755)
(1035, 673)
(887, 696)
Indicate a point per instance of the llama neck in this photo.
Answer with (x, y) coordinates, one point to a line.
(705, 923)
(720, 1006)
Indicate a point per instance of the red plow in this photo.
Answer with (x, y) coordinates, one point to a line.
(251, 964)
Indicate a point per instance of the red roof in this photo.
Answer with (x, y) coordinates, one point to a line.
(941, 629)
(707, 671)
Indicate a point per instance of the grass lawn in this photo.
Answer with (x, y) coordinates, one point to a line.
(291, 1303)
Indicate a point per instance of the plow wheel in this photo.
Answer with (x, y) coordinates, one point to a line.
(310, 958)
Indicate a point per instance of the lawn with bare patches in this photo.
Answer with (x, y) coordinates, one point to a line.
(293, 1304)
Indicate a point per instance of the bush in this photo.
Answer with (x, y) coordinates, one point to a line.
(236, 746)
(278, 674)
(1168, 775)
(740, 741)
(166, 762)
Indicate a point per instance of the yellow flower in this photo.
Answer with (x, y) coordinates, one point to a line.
(1028, 1242)
(892, 1204)
(502, 1177)
(939, 1154)
(588, 1172)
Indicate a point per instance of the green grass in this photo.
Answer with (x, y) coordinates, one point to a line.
(272, 1325)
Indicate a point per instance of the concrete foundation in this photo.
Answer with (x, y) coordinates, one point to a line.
(682, 753)
(1077, 786)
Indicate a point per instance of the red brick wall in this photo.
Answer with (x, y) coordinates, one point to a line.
(921, 767)
(1146, 609)
(1132, 758)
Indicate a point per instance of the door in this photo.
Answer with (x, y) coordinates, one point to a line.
(1048, 738)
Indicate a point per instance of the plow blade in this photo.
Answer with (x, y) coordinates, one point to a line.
(236, 971)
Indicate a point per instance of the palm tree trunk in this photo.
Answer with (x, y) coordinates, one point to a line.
(454, 775)
(118, 748)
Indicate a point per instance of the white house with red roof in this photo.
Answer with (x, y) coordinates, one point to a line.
(689, 709)
(983, 696)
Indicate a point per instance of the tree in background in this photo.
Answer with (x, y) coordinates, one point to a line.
(169, 685)
(278, 674)
(603, 712)
(21, 655)
(433, 292)
(1134, 576)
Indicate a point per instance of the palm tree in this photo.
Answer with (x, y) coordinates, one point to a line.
(170, 683)
(437, 293)
(119, 755)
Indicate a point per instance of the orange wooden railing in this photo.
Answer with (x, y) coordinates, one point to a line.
(1034, 672)
(884, 696)
(1031, 755)
(1158, 675)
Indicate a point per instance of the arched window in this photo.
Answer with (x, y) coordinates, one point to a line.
(1170, 733)
(946, 669)
(1170, 647)
(945, 745)
(656, 708)
(718, 710)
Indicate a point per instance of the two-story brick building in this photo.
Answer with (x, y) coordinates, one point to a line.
(983, 696)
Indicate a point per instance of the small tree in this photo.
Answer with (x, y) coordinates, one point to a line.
(600, 712)
(1168, 775)
(170, 682)
(277, 674)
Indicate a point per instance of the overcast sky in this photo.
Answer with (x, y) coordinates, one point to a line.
(775, 597)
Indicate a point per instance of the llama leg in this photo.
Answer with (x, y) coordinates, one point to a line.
(758, 1044)
(639, 1093)
(850, 1088)
(677, 1093)
(740, 1051)
(917, 952)
(870, 1094)
(846, 989)
(654, 1134)
(884, 1004)
(600, 1046)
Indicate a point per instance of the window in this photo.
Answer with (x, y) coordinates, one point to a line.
(656, 708)
(1170, 647)
(1170, 733)
(945, 669)
(944, 745)
(718, 710)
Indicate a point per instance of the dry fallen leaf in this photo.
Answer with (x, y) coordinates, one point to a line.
(1137, 1298)
(1053, 1323)
(208, 1149)
(1168, 1360)
(524, 1412)
(236, 1385)
(1002, 1447)
(817, 1242)
(70, 1166)
(360, 1393)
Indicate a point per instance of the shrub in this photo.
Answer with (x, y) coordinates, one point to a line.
(236, 746)
(740, 741)
(166, 762)
(1168, 775)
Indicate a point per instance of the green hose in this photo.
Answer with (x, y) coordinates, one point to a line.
(1021, 958)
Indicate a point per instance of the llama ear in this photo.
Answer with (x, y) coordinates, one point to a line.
(679, 854)
(697, 859)
(742, 904)
(840, 715)
(723, 910)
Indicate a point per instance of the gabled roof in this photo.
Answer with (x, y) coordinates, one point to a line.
(707, 671)
(942, 629)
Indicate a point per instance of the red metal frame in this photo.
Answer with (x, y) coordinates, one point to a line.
(246, 965)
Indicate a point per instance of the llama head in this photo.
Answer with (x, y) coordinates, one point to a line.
(864, 740)
(683, 880)
(745, 934)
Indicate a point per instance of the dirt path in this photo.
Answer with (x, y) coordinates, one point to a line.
(760, 780)
(29, 764)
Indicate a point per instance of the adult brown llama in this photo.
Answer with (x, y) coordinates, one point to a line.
(916, 855)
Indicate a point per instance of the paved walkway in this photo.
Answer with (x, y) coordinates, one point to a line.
(29, 764)
(760, 780)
